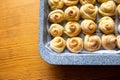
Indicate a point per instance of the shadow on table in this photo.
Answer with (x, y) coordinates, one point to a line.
(88, 72)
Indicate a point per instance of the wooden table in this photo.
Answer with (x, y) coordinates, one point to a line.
(19, 56)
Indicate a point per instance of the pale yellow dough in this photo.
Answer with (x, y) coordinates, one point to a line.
(56, 30)
(58, 44)
(87, 2)
(72, 13)
(75, 44)
(88, 26)
(101, 1)
(92, 43)
(106, 25)
(89, 11)
(107, 8)
(118, 41)
(109, 41)
(72, 29)
(117, 1)
(56, 4)
(56, 16)
(118, 10)
(119, 28)
(71, 2)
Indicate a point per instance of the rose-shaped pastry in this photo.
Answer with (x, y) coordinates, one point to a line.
(106, 25)
(56, 16)
(92, 43)
(118, 10)
(56, 30)
(107, 8)
(89, 11)
(109, 41)
(72, 13)
(87, 2)
(56, 4)
(118, 41)
(58, 44)
(75, 44)
(117, 1)
(71, 2)
(88, 26)
(101, 1)
(72, 29)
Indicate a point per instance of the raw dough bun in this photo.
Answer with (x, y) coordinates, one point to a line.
(58, 44)
(89, 11)
(56, 4)
(88, 26)
(75, 44)
(106, 25)
(72, 13)
(71, 2)
(56, 16)
(107, 8)
(109, 41)
(72, 29)
(117, 1)
(56, 30)
(87, 2)
(101, 1)
(92, 43)
(118, 41)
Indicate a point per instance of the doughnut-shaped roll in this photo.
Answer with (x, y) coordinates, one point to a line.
(101, 1)
(56, 16)
(107, 8)
(109, 41)
(83, 2)
(88, 26)
(92, 43)
(118, 10)
(58, 44)
(118, 41)
(71, 2)
(106, 25)
(56, 30)
(72, 13)
(72, 29)
(117, 1)
(56, 4)
(75, 44)
(89, 11)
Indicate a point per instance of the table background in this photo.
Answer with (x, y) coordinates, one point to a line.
(19, 56)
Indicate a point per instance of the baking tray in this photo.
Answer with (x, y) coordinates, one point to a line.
(110, 57)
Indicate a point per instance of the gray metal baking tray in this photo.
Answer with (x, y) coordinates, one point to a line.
(97, 58)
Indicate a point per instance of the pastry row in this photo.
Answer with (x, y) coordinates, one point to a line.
(87, 11)
(72, 29)
(58, 4)
(91, 43)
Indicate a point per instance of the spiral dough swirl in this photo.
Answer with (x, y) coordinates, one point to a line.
(75, 44)
(107, 8)
(89, 11)
(72, 13)
(72, 29)
(109, 41)
(56, 30)
(56, 16)
(56, 4)
(88, 27)
(106, 25)
(92, 43)
(58, 44)
(71, 2)
(87, 2)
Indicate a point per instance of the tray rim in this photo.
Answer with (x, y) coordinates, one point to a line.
(81, 59)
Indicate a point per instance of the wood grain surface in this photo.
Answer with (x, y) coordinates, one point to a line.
(19, 55)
